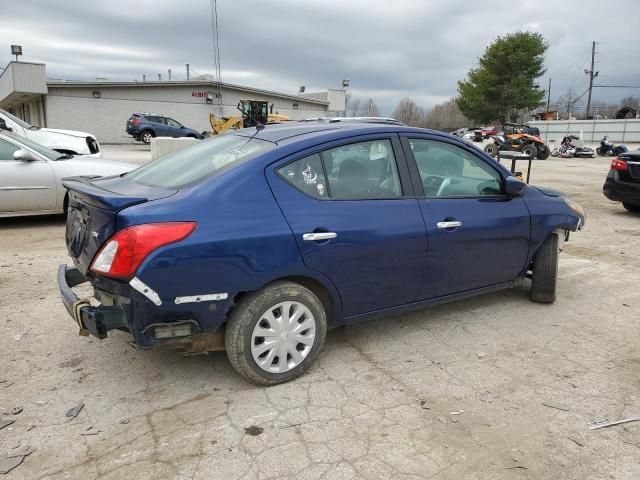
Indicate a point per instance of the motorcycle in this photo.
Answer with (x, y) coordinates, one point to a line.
(607, 147)
(568, 149)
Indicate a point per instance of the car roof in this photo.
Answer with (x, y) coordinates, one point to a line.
(280, 133)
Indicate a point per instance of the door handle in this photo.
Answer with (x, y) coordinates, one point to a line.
(314, 237)
(449, 224)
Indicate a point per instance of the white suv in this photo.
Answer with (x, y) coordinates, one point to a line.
(63, 141)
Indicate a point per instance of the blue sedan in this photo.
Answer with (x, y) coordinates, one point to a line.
(258, 241)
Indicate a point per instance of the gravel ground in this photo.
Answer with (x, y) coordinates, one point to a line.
(494, 387)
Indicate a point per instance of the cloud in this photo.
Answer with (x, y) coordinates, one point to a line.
(388, 49)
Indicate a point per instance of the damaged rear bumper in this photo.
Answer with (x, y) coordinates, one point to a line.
(93, 320)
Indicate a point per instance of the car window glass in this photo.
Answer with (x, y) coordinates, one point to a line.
(41, 149)
(307, 175)
(172, 123)
(6, 150)
(205, 159)
(449, 171)
(362, 170)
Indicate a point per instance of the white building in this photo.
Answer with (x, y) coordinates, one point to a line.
(103, 107)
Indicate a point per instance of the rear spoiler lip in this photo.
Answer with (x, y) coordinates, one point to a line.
(94, 196)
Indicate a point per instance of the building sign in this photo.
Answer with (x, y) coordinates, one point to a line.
(199, 94)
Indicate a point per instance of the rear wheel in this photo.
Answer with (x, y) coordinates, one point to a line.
(599, 151)
(275, 334)
(146, 136)
(530, 150)
(545, 271)
(544, 152)
(491, 149)
(631, 207)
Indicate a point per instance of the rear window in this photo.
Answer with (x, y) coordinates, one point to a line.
(205, 159)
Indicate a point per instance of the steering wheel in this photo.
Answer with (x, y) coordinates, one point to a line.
(445, 183)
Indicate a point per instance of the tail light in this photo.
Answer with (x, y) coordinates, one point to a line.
(121, 256)
(619, 164)
(135, 121)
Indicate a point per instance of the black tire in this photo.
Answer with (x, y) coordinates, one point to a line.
(545, 271)
(146, 136)
(530, 150)
(248, 312)
(543, 152)
(599, 152)
(491, 149)
(631, 207)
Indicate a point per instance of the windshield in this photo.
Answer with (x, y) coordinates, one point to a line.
(19, 121)
(191, 165)
(41, 149)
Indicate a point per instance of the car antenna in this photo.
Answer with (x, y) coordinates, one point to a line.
(259, 125)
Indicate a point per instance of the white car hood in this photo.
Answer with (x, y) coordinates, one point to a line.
(72, 133)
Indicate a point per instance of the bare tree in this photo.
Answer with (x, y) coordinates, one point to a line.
(566, 104)
(446, 116)
(409, 113)
(370, 109)
(352, 106)
(630, 101)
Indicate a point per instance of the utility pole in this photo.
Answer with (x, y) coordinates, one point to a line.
(187, 70)
(159, 77)
(169, 74)
(548, 97)
(592, 74)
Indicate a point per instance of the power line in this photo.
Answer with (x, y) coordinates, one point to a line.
(215, 39)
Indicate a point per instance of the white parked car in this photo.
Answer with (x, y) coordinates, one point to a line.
(63, 141)
(31, 175)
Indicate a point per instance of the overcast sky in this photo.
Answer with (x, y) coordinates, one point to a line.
(387, 48)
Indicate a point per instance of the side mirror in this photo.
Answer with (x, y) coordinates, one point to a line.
(24, 156)
(514, 187)
(181, 126)
(3, 125)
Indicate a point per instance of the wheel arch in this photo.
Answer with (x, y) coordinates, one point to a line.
(329, 298)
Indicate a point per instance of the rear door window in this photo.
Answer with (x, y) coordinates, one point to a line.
(362, 170)
(357, 171)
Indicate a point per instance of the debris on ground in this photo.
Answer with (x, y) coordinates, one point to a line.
(5, 423)
(124, 422)
(577, 442)
(73, 412)
(42, 403)
(253, 430)
(423, 403)
(15, 410)
(606, 423)
(90, 431)
(563, 409)
(442, 420)
(458, 412)
(481, 355)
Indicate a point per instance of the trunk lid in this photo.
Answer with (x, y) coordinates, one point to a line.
(94, 203)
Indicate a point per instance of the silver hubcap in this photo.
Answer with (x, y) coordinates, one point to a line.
(283, 337)
(146, 137)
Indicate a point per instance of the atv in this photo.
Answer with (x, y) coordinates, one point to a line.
(521, 138)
